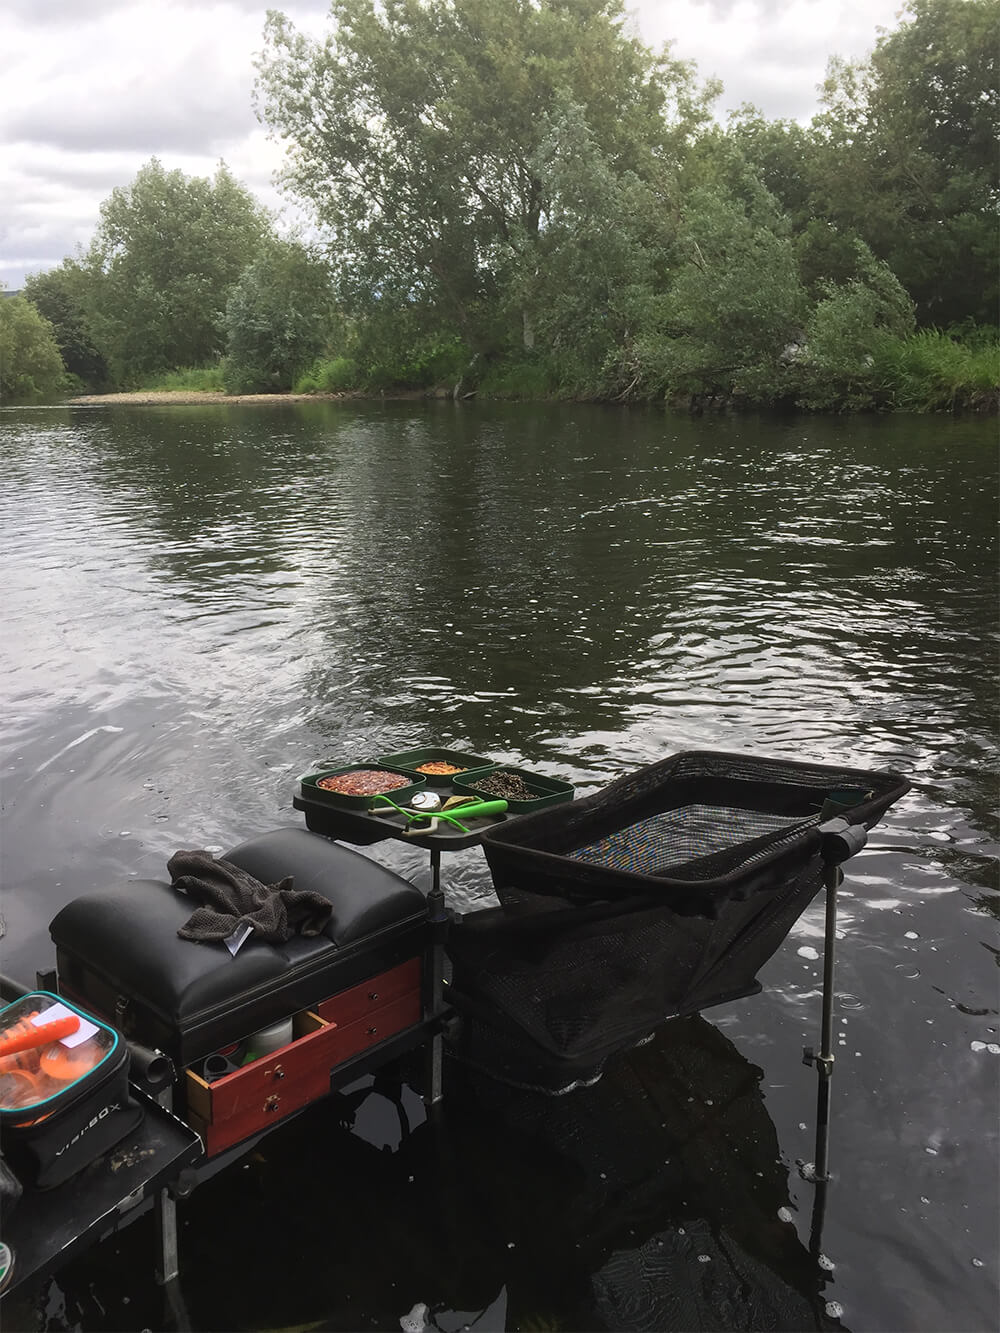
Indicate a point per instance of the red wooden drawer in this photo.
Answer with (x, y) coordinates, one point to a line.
(377, 1026)
(271, 1087)
(262, 1094)
(348, 1005)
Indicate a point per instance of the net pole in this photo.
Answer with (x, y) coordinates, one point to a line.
(839, 841)
(833, 877)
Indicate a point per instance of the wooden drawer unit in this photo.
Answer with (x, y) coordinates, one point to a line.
(262, 1094)
(349, 1005)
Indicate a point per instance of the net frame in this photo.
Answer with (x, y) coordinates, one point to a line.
(540, 853)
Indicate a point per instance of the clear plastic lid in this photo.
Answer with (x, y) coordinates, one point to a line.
(46, 1046)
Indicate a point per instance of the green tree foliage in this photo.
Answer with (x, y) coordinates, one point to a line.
(735, 302)
(30, 365)
(520, 194)
(415, 132)
(278, 318)
(776, 153)
(63, 297)
(167, 250)
(906, 155)
(584, 287)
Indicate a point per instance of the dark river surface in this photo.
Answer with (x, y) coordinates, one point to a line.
(198, 601)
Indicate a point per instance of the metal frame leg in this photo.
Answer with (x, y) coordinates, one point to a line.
(167, 1258)
(438, 917)
(840, 842)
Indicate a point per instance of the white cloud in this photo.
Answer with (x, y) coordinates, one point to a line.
(91, 89)
(773, 53)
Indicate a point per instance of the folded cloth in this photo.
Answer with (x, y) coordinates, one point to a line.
(228, 895)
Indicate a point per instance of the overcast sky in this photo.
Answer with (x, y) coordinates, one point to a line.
(92, 89)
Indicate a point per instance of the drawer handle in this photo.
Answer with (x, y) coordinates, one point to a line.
(278, 1072)
(373, 1032)
(373, 995)
(272, 1103)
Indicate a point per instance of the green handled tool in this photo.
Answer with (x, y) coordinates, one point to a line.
(474, 810)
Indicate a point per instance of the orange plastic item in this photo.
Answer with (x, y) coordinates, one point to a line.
(65, 1063)
(18, 1088)
(25, 1034)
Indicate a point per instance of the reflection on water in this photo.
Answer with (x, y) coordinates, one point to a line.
(656, 1199)
(197, 602)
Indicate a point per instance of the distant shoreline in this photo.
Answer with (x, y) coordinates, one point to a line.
(983, 402)
(187, 396)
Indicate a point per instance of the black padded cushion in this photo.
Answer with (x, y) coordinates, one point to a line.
(366, 897)
(128, 932)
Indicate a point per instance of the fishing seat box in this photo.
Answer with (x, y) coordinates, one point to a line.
(347, 990)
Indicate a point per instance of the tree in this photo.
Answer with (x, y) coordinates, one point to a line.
(167, 250)
(30, 365)
(414, 131)
(735, 302)
(62, 296)
(587, 285)
(278, 318)
(778, 154)
(907, 155)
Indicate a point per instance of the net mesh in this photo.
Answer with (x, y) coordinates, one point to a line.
(673, 839)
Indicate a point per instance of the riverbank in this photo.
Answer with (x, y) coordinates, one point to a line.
(193, 396)
(980, 404)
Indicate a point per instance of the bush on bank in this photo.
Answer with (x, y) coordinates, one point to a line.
(927, 371)
(842, 364)
(31, 368)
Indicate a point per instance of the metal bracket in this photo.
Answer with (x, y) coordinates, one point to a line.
(823, 1063)
(840, 840)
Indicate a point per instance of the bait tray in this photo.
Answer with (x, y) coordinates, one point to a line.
(309, 784)
(407, 761)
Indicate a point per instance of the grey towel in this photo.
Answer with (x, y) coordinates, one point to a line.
(228, 895)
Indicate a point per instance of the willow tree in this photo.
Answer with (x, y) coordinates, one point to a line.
(415, 130)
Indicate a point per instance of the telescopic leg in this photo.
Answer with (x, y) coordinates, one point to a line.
(438, 917)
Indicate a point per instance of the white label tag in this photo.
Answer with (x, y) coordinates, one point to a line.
(238, 938)
(85, 1030)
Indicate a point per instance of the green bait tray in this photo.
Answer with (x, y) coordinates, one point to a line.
(549, 791)
(408, 761)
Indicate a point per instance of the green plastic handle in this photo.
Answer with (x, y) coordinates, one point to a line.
(475, 811)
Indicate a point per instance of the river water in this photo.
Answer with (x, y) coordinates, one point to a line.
(198, 601)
